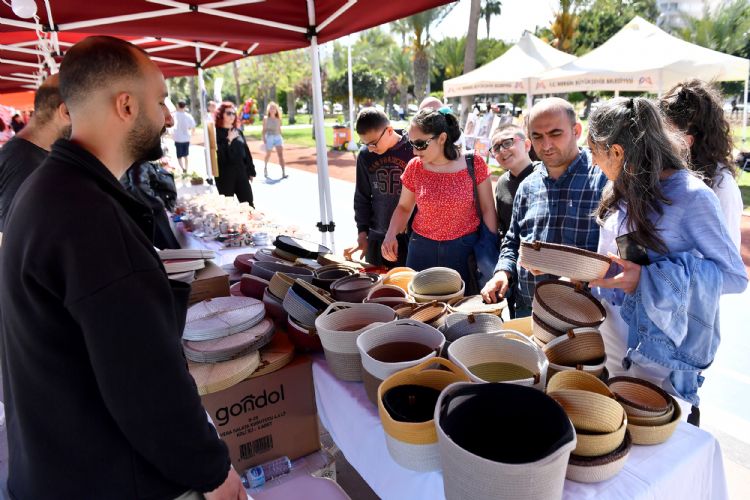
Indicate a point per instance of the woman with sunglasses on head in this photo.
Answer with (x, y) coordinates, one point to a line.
(236, 168)
(694, 108)
(437, 181)
(271, 133)
(668, 225)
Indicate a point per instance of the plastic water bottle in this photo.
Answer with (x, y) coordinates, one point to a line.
(260, 474)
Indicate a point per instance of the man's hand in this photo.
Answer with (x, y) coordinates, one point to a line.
(627, 280)
(231, 489)
(496, 288)
(389, 248)
(361, 247)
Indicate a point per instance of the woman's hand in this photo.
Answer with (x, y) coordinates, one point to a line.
(627, 280)
(389, 248)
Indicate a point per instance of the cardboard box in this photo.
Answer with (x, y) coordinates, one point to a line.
(264, 418)
(211, 281)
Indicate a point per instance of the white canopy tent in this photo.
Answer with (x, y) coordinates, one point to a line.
(643, 58)
(514, 72)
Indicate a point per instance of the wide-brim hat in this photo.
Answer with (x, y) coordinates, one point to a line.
(266, 270)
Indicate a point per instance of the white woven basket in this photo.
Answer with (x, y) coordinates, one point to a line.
(563, 260)
(563, 305)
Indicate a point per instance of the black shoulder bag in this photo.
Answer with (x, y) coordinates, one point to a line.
(487, 247)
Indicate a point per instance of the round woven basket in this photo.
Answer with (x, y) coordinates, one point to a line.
(459, 325)
(400, 277)
(576, 379)
(476, 434)
(436, 281)
(598, 370)
(503, 357)
(338, 328)
(652, 421)
(640, 398)
(543, 333)
(474, 304)
(441, 298)
(280, 284)
(304, 302)
(589, 411)
(656, 434)
(233, 346)
(215, 377)
(354, 288)
(597, 444)
(374, 371)
(414, 444)
(244, 262)
(563, 305)
(305, 339)
(325, 276)
(598, 469)
(390, 295)
(253, 286)
(221, 316)
(266, 271)
(580, 346)
(563, 260)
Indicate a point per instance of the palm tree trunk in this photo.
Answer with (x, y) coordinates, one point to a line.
(470, 54)
(236, 71)
(421, 73)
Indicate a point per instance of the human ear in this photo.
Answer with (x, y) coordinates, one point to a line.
(126, 107)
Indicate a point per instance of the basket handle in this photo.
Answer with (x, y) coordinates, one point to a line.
(519, 336)
(445, 363)
(336, 306)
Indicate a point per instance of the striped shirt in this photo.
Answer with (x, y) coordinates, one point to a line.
(554, 211)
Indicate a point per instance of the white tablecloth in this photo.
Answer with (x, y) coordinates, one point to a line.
(688, 466)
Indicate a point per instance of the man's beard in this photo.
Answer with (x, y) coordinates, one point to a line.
(143, 143)
(66, 131)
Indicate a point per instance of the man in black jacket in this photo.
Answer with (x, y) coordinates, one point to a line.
(99, 401)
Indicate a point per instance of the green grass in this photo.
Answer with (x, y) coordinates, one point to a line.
(744, 182)
(299, 137)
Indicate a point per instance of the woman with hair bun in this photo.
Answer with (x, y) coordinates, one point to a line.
(675, 255)
(437, 182)
(694, 108)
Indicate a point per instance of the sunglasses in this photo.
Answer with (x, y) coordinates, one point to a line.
(421, 144)
(504, 144)
(373, 144)
(230, 112)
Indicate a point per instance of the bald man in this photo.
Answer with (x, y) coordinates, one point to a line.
(99, 400)
(554, 204)
(28, 149)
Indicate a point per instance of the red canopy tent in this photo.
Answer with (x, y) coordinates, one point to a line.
(262, 26)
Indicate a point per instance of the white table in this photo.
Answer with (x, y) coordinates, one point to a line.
(688, 466)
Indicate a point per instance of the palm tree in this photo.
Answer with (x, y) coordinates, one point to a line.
(490, 8)
(470, 54)
(564, 26)
(401, 27)
(449, 56)
(400, 67)
(420, 27)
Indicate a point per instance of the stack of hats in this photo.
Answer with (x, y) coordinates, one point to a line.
(225, 340)
(436, 283)
(603, 440)
(653, 414)
(182, 263)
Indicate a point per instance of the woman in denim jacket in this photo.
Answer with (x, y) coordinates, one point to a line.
(673, 220)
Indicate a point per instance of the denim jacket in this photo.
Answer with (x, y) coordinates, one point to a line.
(673, 319)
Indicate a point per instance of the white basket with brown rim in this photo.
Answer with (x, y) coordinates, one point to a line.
(543, 333)
(598, 469)
(474, 304)
(579, 349)
(563, 305)
(563, 260)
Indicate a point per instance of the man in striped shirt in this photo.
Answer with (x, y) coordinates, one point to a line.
(554, 204)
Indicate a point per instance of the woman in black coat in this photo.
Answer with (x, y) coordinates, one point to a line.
(236, 168)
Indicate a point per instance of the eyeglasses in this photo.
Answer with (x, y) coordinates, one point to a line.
(373, 144)
(421, 144)
(504, 144)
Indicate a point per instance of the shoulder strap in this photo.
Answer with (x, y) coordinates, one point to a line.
(470, 168)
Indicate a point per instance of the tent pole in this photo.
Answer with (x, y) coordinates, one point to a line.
(202, 99)
(324, 187)
(617, 93)
(744, 115)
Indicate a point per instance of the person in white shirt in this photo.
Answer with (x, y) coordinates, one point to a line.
(695, 108)
(183, 129)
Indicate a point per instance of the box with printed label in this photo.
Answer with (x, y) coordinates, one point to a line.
(211, 281)
(267, 417)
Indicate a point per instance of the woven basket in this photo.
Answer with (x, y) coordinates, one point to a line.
(656, 434)
(338, 328)
(304, 302)
(329, 258)
(563, 260)
(640, 398)
(467, 475)
(266, 271)
(601, 468)
(580, 346)
(436, 281)
(589, 411)
(304, 339)
(597, 444)
(354, 288)
(563, 305)
(299, 247)
(284, 255)
(543, 333)
(598, 370)
(414, 444)
(215, 377)
(390, 295)
(520, 325)
(459, 325)
(441, 298)
(280, 284)
(324, 277)
(510, 348)
(652, 421)
(274, 307)
(400, 278)
(253, 286)
(374, 371)
(233, 346)
(576, 379)
(244, 262)
(474, 304)
(433, 313)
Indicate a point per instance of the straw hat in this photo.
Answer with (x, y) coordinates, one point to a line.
(601, 468)
(563, 305)
(562, 260)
